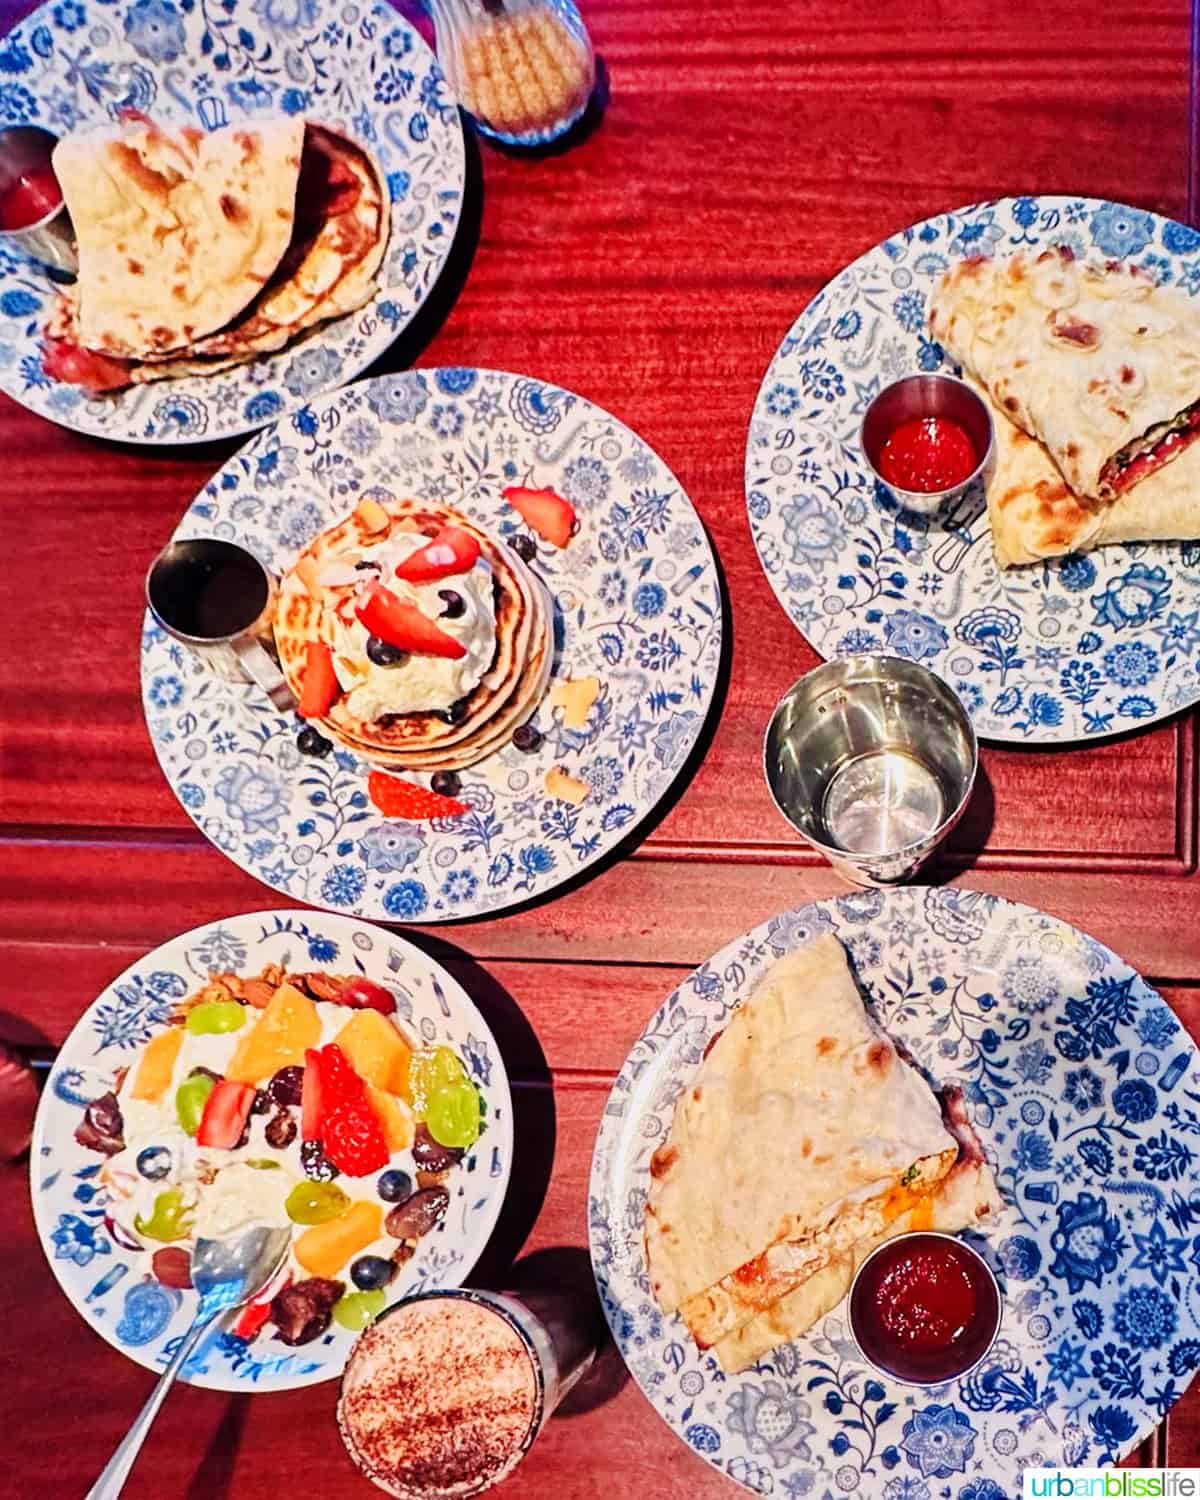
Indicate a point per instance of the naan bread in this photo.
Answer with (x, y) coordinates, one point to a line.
(178, 231)
(1034, 514)
(1098, 363)
(802, 1132)
(964, 1197)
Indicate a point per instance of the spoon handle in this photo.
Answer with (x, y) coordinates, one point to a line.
(116, 1471)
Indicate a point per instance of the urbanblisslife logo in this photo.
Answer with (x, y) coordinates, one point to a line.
(1112, 1484)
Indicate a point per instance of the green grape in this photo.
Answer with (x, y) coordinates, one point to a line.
(430, 1069)
(357, 1309)
(170, 1219)
(452, 1115)
(263, 1163)
(215, 1016)
(316, 1202)
(190, 1098)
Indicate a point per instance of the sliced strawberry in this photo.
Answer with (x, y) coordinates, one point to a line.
(256, 1313)
(404, 799)
(453, 550)
(310, 1098)
(225, 1114)
(350, 1133)
(74, 365)
(319, 686)
(402, 625)
(552, 517)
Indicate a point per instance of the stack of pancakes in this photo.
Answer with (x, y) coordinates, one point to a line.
(481, 722)
(197, 252)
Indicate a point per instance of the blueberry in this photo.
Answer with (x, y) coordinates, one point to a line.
(370, 1272)
(261, 1104)
(455, 603)
(311, 741)
(394, 1186)
(366, 566)
(526, 737)
(446, 783)
(523, 546)
(154, 1162)
(315, 1163)
(456, 713)
(384, 654)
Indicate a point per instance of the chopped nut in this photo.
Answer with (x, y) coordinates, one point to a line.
(318, 986)
(258, 992)
(575, 697)
(565, 787)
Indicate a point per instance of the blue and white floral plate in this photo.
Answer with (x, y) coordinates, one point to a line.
(110, 1287)
(637, 604)
(1085, 1091)
(1078, 647)
(358, 67)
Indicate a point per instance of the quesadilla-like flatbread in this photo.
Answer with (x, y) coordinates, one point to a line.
(802, 1134)
(423, 714)
(1099, 363)
(1034, 513)
(177, 231)
(965, 1196)
(326, 266)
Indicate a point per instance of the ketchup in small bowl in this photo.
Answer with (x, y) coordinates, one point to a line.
(924, 1308)
(27, 199)
(927, 437)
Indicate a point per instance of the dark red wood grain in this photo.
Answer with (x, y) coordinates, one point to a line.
(747, 153)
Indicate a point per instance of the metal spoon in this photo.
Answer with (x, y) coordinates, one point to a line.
(226, 1273)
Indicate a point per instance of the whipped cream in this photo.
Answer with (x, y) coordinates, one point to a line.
(419, 684)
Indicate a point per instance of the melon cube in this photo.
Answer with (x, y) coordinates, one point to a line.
(325, 1248)
(157, 1065)
(376, 1050)
(288, 1026)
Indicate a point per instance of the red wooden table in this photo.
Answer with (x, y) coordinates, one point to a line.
(747, 153)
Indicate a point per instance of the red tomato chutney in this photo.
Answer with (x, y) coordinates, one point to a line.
(927, 454)
(30, 198)
(924, 1308)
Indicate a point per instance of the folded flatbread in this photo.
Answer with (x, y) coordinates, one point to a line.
(1034, 513)
(177, 231)
(802, 1134)
(1099, 363)
(510, 689)
(334, 237)
(965, 1196)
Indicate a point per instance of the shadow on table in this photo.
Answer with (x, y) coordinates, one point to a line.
(969, 839)
(666, 803)
(568, 1269)
(534, 1120)
(214, 1475)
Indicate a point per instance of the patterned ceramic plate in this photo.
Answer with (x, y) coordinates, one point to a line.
(1085, 1091)
(1082, 646)
(134, 1312)
(637, 604)
(357, 67)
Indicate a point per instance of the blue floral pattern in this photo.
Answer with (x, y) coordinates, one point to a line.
(637, 604)
(77, 63)
(1076, 648)
(106, 1276)
(1096, 1246)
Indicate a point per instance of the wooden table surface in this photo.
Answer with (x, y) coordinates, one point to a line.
(747, 153)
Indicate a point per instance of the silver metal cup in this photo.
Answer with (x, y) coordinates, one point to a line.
(872, 760)
(50, 240)
(218, 599)
(915, 396)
